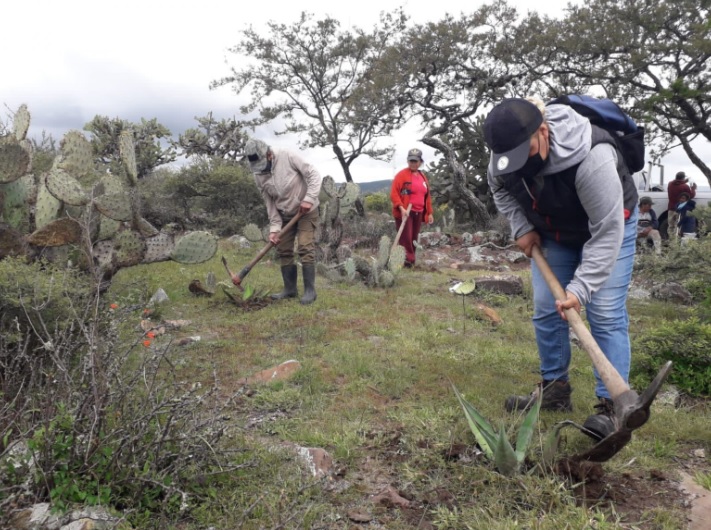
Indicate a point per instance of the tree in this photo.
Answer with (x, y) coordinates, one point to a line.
(147, 136)
(447, 73)
(652, 57)
(316, 78)
(222, 139)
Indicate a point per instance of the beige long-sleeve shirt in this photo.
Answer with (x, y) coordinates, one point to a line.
(291, 182)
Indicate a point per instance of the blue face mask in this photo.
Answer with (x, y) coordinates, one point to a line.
(681, 205)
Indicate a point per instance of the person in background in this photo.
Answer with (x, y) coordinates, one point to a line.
(410, 187)
(675, 188)
(648, 225)
(687, 224)
(288, 185)
(564, 187)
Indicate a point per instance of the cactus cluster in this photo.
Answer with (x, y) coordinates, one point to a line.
(378, 271)
(75, 212)
(336, 202)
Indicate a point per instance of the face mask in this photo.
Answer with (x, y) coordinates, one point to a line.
(533, 165)
(680, 205)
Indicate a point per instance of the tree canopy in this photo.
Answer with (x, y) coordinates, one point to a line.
(148, 137)
(313, 78)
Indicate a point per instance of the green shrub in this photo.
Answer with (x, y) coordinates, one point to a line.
(378, 202)
(215, 195)
(687, 344)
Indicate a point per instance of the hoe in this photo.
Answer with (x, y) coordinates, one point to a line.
(631, 409)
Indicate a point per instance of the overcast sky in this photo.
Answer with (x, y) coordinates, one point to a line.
(71, 60)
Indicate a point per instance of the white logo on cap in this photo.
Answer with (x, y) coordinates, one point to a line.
(503, 163)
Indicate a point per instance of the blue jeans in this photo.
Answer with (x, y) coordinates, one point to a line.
(606, 312)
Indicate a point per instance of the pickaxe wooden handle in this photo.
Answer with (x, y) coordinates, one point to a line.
(237, 278)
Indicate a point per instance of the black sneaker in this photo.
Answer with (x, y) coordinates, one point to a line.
(603, 423)
(556, 396)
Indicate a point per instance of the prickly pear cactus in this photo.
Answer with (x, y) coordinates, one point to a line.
(253, 233)
(73, 205)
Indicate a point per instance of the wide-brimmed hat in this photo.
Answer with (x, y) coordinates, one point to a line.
(507, 132)
(256, 153)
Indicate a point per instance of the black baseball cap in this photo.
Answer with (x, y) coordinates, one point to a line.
(507, 132)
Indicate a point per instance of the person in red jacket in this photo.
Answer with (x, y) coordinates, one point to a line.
(410, 187)
(674, 190)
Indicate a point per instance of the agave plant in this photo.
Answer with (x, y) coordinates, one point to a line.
(496, 445)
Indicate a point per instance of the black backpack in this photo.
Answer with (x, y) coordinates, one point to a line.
(608, 115)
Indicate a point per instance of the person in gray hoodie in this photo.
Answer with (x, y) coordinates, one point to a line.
(289, 185)
(564, 187)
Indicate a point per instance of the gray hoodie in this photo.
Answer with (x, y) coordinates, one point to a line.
(598, 187)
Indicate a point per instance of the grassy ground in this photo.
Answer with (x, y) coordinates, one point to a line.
(375, 391)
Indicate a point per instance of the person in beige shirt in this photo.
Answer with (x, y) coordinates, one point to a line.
(289, 185)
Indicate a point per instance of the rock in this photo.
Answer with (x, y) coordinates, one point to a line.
(433, 239)
(239, 241)
(672, 292)
(278, 373)
(159, 296)
(319, 461)
(503, 283)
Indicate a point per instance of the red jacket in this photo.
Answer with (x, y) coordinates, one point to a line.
(674, 189)
(400, 197)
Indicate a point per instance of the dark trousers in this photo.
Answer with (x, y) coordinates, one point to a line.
(410, 234)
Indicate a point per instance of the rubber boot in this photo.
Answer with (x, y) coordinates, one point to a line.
(288, 273)
(309, 273)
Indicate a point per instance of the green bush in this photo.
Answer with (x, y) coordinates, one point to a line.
(687, 344)
(215, 195)
(378, 202)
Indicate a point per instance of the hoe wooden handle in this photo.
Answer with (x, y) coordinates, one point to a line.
(237, 279)
(402, 227)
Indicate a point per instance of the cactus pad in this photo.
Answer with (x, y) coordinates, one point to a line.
(348, 194)
(159, 248)
(21, 122)
(127, 150)
(47, 207)
(195, 247)
(61, 232)
(129, 248)
(328, 186)
(384, 251)
(397, 259)
(350, 268)
(14, 159)
(108, 228)
(16, 205)
(386, 279)
(104, 258)
(116, 206)
(252, 233)
(66, 188)
(146, 229)
(78, 158)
